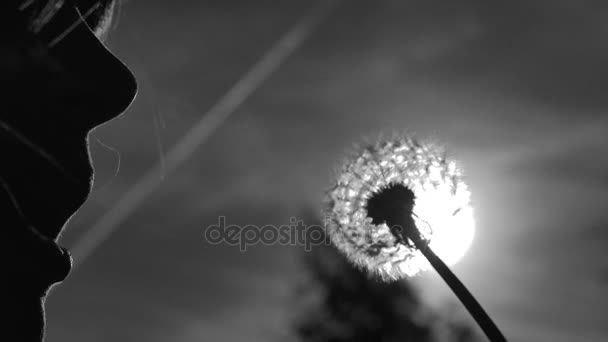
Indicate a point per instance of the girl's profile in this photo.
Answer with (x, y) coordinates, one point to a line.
(59, 81)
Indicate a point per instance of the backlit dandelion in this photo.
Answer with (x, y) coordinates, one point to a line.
(397, 201)
(396, 172)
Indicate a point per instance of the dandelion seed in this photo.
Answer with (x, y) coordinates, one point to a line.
(409, 179)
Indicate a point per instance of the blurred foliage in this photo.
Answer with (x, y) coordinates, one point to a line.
(340, 303)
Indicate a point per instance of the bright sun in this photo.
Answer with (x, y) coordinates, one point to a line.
(450, 219)
(453, 235)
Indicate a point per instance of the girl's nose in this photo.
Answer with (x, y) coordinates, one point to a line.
(101, 84)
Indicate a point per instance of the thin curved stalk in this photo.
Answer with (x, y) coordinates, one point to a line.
(466, 297)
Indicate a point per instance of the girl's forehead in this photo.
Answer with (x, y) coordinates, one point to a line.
(99, 13)
(39, 13)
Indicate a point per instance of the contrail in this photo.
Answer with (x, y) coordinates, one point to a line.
(202, 130)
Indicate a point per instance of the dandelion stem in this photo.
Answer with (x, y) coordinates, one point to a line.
(479, 314)
(394, 206)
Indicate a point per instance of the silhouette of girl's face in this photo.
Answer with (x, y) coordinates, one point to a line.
(59, 81)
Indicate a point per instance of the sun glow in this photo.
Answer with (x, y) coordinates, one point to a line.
(452, 234)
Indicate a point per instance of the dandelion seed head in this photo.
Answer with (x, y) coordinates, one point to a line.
(440, 206)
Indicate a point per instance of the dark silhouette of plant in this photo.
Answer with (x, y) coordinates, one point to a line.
(343, 303)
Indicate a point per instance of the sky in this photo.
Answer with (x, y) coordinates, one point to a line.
(516, 91)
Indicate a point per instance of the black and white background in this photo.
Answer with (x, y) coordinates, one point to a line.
(516, 90)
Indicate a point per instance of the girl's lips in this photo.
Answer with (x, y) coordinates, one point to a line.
(33, 260)
(52, 266)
